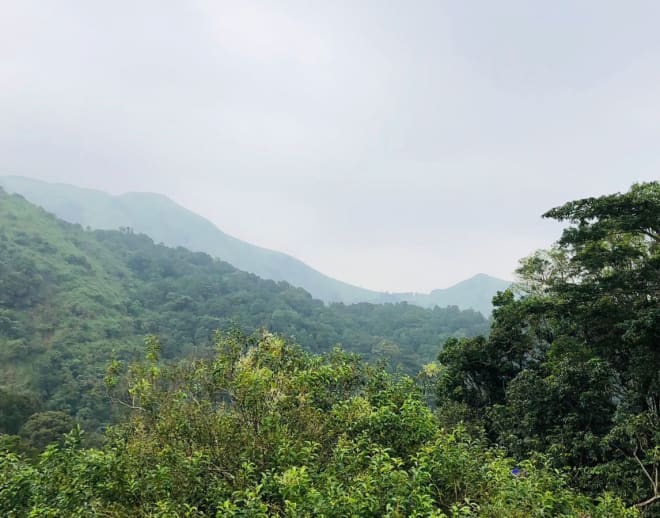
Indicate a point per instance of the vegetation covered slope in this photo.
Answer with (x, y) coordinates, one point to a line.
(572, 368)
(555, 413)
(166, 222)
(263, 429)
(70, 297)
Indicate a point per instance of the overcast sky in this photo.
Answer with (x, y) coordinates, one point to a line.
(394, 145)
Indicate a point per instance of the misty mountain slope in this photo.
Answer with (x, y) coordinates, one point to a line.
(71, 299)
(165, 221)
(475, 292)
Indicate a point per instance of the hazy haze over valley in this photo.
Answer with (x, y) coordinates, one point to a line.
(395, 146)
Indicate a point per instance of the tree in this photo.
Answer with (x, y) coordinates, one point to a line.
(15, 408)
(44, 428)
(572, 367)
(262, 429)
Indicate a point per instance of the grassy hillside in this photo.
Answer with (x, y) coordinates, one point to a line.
(71, 298)
(166, 222)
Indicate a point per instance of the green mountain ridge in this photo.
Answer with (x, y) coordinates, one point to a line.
(165, 221)
(72, 299)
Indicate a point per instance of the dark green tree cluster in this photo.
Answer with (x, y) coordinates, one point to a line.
(186, 296)
(263, 428)
(571, 367)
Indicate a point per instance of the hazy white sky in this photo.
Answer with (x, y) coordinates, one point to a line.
(394, 145)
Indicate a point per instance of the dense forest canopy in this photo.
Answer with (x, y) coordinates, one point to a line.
(265, 429)
(72, 299)
(556, 412)
(572, 367)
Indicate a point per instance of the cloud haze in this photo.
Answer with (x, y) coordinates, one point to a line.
(393, 145)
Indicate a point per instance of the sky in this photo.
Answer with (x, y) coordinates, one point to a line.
(395, 145)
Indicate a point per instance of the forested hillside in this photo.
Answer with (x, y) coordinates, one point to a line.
(166, 222)
(263, 429)
(71, 299)
(556, 412)
(571, 370)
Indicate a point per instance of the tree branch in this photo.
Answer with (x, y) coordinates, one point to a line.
(648, 502)
(654, 485)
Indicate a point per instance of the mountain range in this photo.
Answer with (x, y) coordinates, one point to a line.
(72, 299)
(173, 225)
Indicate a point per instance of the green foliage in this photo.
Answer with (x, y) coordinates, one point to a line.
(166, 222)
(263, 428)
(557, 406)
(44, 428)
(72, 300)
(15, 408)
(572, 367)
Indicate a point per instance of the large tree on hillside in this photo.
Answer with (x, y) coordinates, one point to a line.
(572, 368)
